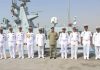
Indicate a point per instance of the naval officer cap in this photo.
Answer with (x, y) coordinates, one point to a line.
(19, 27)
(64, 28)
(85, 26)
(74, 28)
(40, 29)
(52, 27)
(10, 27)
(97, 28)
(30, 27)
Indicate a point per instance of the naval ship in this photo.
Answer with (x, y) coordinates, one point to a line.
(22, 17)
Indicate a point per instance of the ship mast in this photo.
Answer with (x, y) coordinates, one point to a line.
(69, 21)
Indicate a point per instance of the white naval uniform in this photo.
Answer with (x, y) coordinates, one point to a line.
(12, 44)
(19, 42)
(64, 41)
(86, 35)
(2, 47)
(96, 42)
(74, 39)
(40, 41)
(30, 38)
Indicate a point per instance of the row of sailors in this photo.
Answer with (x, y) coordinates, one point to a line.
(86, 39)
(16, 41)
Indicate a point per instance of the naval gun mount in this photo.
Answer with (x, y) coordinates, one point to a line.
(21, 14)
(5, 24)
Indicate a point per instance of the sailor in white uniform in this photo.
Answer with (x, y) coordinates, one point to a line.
(19, 42)
(40, 42)
(96, 43)
(11, 36)
(2, 42)
(64, 41)
(30, 39)
(75, 40)
(86, 41)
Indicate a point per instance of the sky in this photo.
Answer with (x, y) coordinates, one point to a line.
(87, 11)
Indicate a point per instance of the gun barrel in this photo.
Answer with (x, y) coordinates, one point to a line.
(25, 0)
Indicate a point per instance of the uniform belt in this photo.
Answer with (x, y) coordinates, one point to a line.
(74, 40)
(64, 40)
(11, 41)
(1, 42)
(86, 40)
(19, 40)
